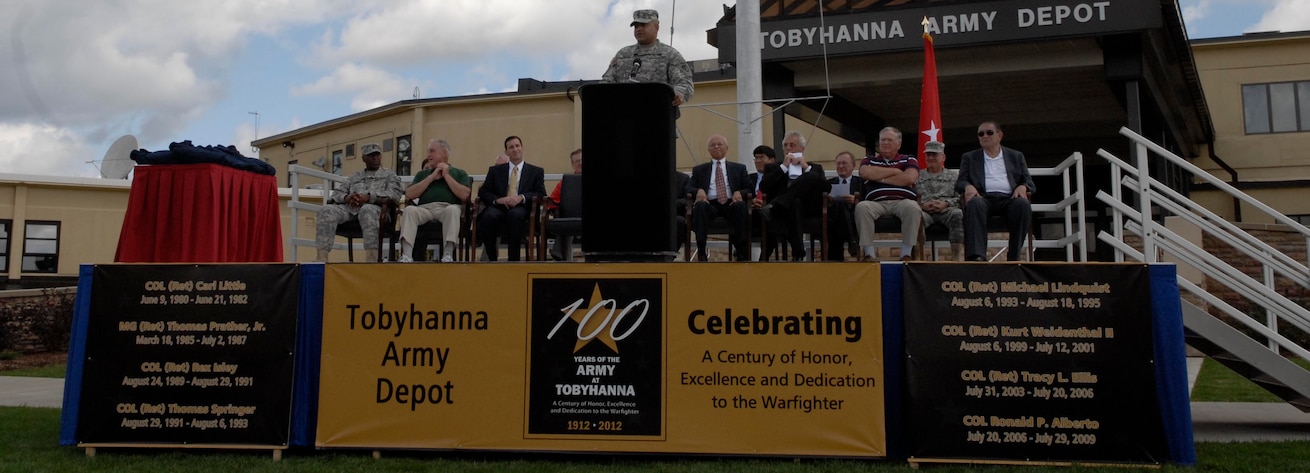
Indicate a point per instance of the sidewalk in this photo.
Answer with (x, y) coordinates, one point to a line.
(24, 391)
(1211, 421)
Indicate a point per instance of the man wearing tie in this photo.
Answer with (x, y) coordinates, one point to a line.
(507, 197)
(721, 189)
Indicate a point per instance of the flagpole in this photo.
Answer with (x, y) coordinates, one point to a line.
(750, 86)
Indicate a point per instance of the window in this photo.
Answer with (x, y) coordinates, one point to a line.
(1276, 108)
(402, 155)
(4, 244)
(41, 247)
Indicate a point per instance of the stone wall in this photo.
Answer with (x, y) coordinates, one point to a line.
(36, 320)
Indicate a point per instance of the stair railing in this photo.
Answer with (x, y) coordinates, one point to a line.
(1157, 241)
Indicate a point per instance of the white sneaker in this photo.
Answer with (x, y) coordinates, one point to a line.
(447, 259)
(405, 259)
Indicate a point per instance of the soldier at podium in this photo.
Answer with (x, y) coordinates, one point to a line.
(650, 60)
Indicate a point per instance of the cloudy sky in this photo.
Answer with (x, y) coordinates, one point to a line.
(78, 74)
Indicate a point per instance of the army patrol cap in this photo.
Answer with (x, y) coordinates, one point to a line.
(644, 16)
(371, 148)
(934, 147)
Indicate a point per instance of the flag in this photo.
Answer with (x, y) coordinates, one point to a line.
(930, 110)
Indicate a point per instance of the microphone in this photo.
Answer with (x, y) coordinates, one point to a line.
(636, 66)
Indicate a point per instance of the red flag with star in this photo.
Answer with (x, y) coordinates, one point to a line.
(930, 110)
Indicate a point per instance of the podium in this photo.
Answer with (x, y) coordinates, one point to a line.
(200, 213)
(628, 135)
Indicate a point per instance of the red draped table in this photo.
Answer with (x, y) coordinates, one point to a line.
(200, 213)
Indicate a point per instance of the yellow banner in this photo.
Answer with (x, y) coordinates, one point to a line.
(738, 359)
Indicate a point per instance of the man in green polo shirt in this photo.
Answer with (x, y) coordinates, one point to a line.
(441, 190)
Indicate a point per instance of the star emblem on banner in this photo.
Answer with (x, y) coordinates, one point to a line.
(933, 132)
(597, 323)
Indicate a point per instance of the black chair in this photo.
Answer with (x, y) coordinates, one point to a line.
(432, 233)
(529, 246)
(998, 224)
(681, 222)
(717, 226)
(814, 228)
(386, 230)
(933, 234)
(892, 224)
(565, 222)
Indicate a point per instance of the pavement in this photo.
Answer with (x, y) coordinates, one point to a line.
(31, 392)
(1211, 421)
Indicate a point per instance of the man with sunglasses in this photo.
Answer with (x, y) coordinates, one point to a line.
(994, 180)
(650, 60)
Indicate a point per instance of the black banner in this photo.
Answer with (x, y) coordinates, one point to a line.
(1031, 362)
(953, 24)
(595, 358)
(189, 354)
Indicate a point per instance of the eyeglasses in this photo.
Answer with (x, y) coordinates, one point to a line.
(986, 132)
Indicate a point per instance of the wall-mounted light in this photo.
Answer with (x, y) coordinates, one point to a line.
(288, 144)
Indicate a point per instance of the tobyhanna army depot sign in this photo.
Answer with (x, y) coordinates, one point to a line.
(958, 24)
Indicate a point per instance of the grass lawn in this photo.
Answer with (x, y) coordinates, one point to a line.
(31, 444)
(1217, 383)
(52, 371)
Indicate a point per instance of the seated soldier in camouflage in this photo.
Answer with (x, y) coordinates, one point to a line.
(937, 197)
(359, 198)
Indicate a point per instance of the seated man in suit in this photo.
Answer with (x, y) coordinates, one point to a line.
(361, 197)
(937, 196)
(765, 159)
(847, 190)
(889, 179)
(764, 156)
(795, 188)
(720, 188)
(563, 244)
(506, 197)
(441, 190)
(994, 181)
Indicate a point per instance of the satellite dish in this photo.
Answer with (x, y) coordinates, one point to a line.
(118, 160)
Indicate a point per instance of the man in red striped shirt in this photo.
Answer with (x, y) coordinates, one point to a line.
(889, 178)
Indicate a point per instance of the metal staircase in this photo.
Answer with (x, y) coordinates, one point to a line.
(1256, 352)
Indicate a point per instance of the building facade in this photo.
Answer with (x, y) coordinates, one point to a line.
(1258, 87)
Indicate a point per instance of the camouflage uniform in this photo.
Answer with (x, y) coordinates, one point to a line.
(941, 186)
(377, 184)
(658, 62)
